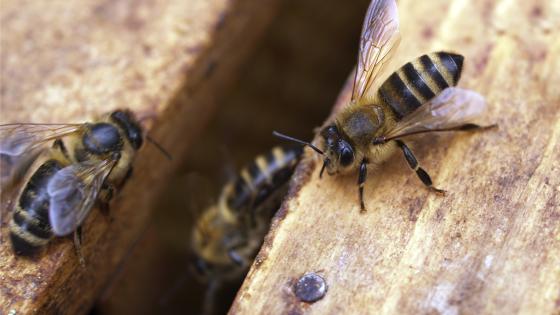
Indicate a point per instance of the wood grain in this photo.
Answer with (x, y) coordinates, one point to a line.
(492, 245)
(68, 61)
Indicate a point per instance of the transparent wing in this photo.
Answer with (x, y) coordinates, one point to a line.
(14, 168)
(73, 190)
(380, 38)
(16, 139)
(451, 108)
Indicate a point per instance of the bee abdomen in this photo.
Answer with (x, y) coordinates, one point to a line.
(418, 81)
(24, 239)
(29, 226)
(262, 177)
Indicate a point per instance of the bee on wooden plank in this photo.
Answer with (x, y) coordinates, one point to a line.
(84, 165)
(228, 234)
(420, 97)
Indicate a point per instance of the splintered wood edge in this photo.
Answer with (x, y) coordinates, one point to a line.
(491, 246)
(179, 104)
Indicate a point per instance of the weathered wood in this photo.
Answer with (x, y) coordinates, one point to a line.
(285, 86)
(67, 61)
(492, 245)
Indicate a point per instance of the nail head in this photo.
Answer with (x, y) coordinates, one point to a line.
(310, 288)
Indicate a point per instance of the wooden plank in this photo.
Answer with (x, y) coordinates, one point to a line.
(492, 245)
(273, 91)
(67, 61)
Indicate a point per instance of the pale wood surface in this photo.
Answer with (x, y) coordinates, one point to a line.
(66, 61)
(492, 245)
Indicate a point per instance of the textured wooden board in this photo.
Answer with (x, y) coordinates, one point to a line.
(492, 245)
(289, 84)
(68, 61)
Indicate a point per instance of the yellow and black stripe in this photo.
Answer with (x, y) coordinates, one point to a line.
(256, 182)
(418, 81)
(30, 227)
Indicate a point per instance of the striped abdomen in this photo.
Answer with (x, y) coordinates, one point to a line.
(418, 81)
(30, 227)
(261, 178)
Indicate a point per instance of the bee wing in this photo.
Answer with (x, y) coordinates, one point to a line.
(453, 107)
(13, 168)
(379, 39)
(73, 190)
(16, 139)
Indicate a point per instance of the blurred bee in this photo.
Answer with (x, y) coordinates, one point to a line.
(85, 163)
(419, 97)
(228, 234)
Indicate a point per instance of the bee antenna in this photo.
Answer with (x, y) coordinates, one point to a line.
(160, 148)
(285, 137)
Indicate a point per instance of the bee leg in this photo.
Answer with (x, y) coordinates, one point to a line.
(413, 163)
(252, 216)
(78, 245)
(210, 297)
(235, 256)
(58, 144)
(107, 193)
(361, 181)
(253, 211)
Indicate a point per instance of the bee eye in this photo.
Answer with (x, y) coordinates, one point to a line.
(346, 155)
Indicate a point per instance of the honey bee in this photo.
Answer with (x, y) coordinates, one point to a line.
(228, 234)
(420, 97)
(85, 164)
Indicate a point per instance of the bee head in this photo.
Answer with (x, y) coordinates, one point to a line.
(339, 153)
(133, 130)
(130, 126)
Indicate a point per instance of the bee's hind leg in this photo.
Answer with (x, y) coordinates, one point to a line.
(413, 163)
(78, 236)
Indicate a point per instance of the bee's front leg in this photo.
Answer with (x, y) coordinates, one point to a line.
(361, 182)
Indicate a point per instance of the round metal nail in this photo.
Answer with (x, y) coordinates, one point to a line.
(310, 288)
